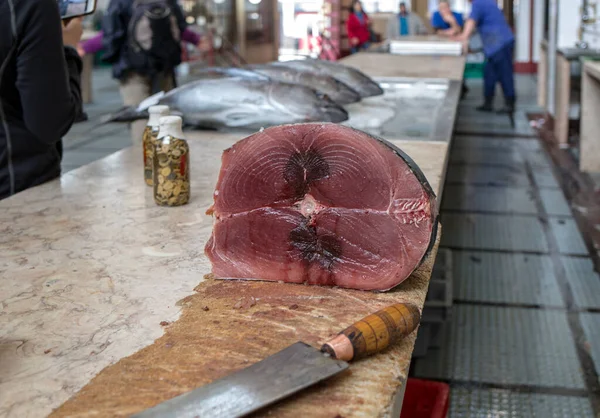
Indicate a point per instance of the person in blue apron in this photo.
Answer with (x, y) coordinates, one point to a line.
(498, 46)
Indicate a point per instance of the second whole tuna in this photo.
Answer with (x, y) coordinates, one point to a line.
(337, 91)
(361, 83)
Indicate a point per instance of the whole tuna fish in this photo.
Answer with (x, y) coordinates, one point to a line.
(337, 91)
(234, 102)
(358, 81)
(226, 72)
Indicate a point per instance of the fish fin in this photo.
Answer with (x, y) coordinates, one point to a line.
(237, 119)
(150, 101)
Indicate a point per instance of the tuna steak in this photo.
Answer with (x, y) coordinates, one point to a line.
(321, 204)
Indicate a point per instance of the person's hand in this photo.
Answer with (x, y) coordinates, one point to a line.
(354, 41)
(80, 50)
(72, 32)
(465, 47)
(458, 38)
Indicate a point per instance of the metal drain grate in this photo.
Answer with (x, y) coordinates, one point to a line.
(545, 178)
(496, 143)
(584, 281)
(487, 176)
(591, 327)
(568, 236)
(511, 346)
(493, 232)
(505, 278)
(555, 203)
(489, 199)
(485, 156)
(488, 403)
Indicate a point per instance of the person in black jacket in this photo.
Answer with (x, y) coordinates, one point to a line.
(139, 79)
(40, 93)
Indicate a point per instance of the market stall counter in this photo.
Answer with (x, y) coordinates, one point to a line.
(107, 306)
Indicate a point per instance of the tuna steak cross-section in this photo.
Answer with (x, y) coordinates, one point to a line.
(320, 204)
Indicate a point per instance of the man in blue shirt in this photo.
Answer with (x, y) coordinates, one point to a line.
(445, 22)
(498, 45)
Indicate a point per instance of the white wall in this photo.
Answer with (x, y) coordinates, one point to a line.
(592, 33)
(569, 19)
(522, 32)
(538, 27)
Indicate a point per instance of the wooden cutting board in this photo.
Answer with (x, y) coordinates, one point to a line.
(228, 325)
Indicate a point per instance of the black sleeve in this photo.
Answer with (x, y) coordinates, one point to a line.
(114, 27)
(179, 16)
(47, 76)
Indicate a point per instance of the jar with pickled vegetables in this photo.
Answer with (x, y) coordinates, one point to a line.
(150, 134)
(171, 174)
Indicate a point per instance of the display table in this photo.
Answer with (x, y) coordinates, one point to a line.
(589, 159)
(105, 299)
(566, 97)
(418, 66)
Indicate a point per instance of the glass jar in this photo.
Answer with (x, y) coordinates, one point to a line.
(171, 173)
(150, 134)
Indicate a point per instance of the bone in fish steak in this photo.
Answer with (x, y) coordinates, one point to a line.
(321, 204)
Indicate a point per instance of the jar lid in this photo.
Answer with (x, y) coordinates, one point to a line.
(155, 113)
(170, 126)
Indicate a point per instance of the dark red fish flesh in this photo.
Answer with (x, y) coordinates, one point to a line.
(320, 204)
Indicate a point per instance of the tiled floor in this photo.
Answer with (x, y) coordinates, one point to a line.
(524, 339)
(89, 141)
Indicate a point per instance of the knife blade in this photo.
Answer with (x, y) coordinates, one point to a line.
(290, 370)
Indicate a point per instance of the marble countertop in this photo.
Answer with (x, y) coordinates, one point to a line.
(418, 66)
(94, 273)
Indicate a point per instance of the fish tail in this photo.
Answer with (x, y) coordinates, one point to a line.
(150, 101)
(125, 114)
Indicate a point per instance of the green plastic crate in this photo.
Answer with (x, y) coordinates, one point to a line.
(474, 70)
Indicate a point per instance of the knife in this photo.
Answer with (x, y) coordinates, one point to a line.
(290, 370)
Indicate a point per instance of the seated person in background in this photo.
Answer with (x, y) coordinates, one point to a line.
(40, 94)
(405, 23)
(445, 22)
(357, 26)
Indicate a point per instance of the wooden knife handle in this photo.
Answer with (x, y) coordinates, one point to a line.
(374, 333)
